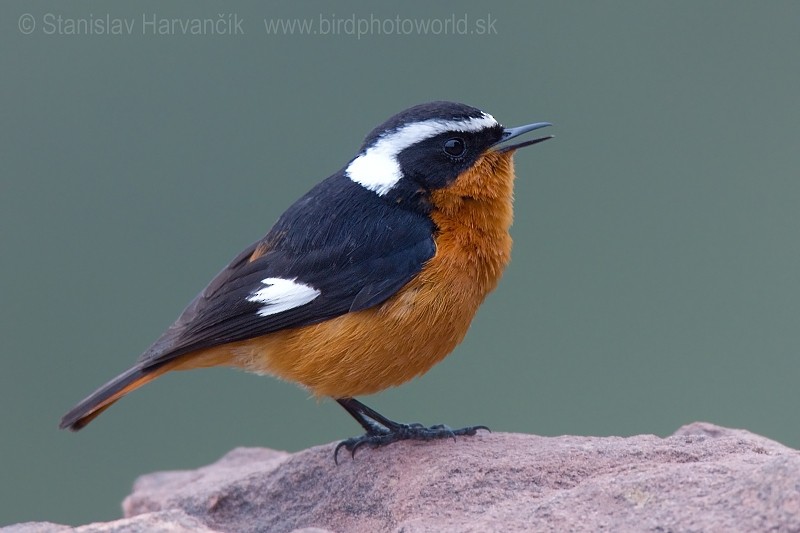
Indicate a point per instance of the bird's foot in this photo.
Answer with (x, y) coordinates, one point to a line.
(381, 436)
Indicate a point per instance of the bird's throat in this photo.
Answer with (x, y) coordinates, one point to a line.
(473, 217)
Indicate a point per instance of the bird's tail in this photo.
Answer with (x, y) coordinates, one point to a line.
(102, 398)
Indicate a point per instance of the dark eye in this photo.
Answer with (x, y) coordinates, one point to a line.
(455, 147)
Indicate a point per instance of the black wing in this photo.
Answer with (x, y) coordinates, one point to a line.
(351, 245)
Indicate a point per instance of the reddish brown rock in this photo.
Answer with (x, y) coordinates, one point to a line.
(702, 478)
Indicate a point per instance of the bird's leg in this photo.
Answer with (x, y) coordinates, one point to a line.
(381, 431)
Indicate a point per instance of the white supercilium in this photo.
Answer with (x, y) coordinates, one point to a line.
(377, 168)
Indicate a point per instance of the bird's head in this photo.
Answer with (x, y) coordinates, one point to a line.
(428, 147)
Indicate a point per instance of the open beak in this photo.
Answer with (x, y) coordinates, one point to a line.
(510, 133)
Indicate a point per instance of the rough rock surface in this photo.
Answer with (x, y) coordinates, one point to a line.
(702, 478)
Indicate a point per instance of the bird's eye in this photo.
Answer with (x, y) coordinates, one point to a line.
(455, 147)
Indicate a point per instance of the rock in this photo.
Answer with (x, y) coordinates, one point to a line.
(702, 478)
(173, 521)
(35, 527)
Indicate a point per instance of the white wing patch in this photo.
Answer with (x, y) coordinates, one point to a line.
(377, 168)
(280, 295)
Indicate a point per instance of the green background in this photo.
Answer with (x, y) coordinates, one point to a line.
(657, 238)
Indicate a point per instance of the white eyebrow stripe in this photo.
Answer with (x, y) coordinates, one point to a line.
(280, 295)
(377, 168)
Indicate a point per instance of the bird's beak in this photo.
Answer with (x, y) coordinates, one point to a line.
(510, 133)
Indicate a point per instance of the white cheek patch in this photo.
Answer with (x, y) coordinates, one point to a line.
(280, 295)
(377, 168)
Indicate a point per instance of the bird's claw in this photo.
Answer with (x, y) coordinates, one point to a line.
(403, 432)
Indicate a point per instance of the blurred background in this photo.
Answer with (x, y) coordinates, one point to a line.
(657, 237)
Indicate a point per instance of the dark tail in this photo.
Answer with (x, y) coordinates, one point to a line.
(105, 396)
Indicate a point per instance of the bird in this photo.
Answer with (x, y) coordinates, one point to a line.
(366, 281)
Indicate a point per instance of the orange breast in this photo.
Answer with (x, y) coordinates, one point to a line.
(367, 351)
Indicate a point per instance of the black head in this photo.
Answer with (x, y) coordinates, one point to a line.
(426, 147)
